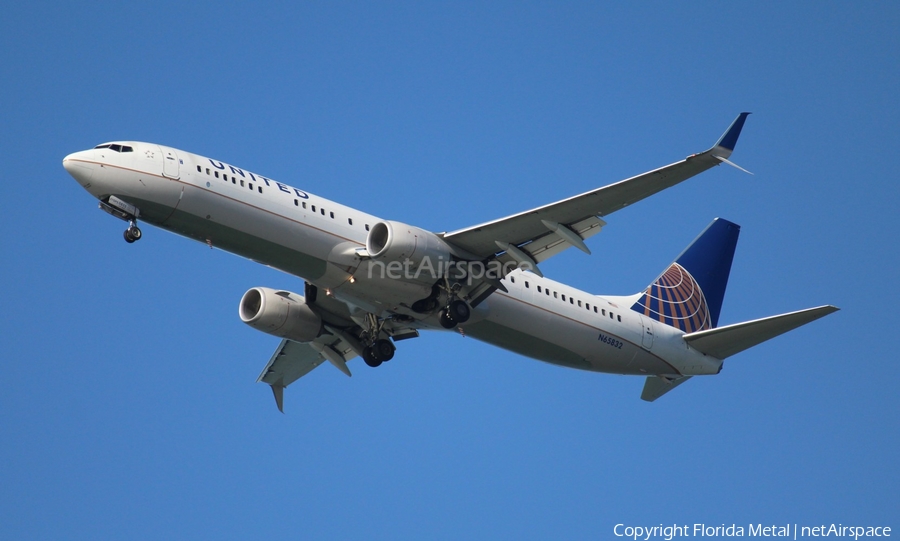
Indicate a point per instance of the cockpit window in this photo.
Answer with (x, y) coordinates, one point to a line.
(115, 147)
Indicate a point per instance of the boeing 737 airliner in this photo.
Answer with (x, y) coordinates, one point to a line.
(370, 283)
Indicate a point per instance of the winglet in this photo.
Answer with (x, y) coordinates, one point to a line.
(726, 143)
(732, 164)
(278, 391)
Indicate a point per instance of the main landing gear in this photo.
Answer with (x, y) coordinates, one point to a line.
(382, 350)
(455, 313)
(376, 350)
(133, 232)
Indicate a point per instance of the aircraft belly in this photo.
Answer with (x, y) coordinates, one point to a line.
(245, 241)
(646, 363)
(525, 344)
(157, 195)
(555, 338)
(525, 329)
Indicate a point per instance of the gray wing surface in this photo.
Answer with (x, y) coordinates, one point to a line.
(293, 360)
(580, 214)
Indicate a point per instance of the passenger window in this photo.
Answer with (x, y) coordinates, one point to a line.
(323, 211)
(332, 215)
(242, 181)
(216, 173)
(304, 204)
(232, 180)
(512, 279)
(526, 284)
(611, 315)
(199, 169)
(350, 221)
(620, 318)
(296, 204)
(564, 298)
(595, 309)
(555, 296)
(547, 291)
(539, 289)
(604, 311)
(579, 304)
(571, 301)
(367, 227)
(207, 170)
(259, 188)
(251, 186)
(313, 208)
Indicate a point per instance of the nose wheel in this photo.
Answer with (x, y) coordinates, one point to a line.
(133, 233)
(123, 211)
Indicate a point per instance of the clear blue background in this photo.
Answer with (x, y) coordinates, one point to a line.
(129, 408)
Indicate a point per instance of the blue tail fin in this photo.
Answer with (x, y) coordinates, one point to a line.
(688, 295)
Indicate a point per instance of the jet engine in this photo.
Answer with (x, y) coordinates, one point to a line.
(394, 241)
(280, 313)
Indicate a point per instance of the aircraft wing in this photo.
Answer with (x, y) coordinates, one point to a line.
(293, 360)
(545, 231)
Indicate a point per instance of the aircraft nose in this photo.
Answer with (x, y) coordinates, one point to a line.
(78, 167)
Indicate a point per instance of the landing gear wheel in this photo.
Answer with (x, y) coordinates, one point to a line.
(383, 349)
(370, 358)
(132, 233)
(446, 321)
(459, 311)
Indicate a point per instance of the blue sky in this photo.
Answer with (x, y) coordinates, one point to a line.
(129, 408)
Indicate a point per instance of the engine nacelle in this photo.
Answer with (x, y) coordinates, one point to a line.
(394, 241)
(280, 313)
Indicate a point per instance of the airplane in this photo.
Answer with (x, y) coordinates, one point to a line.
(371, 283)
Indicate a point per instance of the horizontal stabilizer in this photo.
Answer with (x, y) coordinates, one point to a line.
(723, 342)
(656, 386)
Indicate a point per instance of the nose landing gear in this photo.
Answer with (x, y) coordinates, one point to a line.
(133, 233)
(123, 211)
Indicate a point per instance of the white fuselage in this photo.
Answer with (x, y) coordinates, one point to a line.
(302, 234)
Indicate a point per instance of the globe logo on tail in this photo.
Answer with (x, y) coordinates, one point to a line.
(676, 299)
